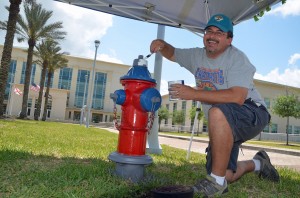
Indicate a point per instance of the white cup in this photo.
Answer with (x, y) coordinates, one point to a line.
(171, 83)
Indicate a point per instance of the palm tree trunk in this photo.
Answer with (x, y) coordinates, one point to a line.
(47, 95)
(14, 10)
(40, 99)
(31, 44)
(287, 130)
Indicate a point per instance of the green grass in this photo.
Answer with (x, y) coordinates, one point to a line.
(48, 159)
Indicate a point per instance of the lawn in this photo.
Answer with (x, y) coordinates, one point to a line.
(49, 159)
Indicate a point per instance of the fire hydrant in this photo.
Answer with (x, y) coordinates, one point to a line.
(139, 100)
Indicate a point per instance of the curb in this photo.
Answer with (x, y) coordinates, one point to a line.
(245, 146)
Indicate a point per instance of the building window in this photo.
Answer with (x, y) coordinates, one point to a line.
(174, 109)
(183, 107)
(267, 101)
(274, 128)
(99, 90)
(10, 78)
(194, 103)
(76, 116)
(29, 105)
(267, 129)
(49, 107)
(290, 129)
(168, 108)
(35, 106)
(46, 79)
(80, 88)
(297, 130)
(33, 68)
(65, 78)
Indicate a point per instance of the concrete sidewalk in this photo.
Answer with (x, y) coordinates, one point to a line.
(279, 157)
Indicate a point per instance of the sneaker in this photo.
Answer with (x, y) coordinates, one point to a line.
(267, 170)
(208, 187)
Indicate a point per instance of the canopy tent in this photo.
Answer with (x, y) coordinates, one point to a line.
(187, 14)
(192, 15)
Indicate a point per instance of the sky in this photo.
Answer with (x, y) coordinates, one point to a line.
(272, 44)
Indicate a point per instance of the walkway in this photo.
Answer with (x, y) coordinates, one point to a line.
(279, 157)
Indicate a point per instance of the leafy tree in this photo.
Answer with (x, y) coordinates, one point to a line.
(32, 28)
(178, 118)
(199, 117)
(287, 106)
(163, 114)
(57, 61)
(10, 27)
(46, 51)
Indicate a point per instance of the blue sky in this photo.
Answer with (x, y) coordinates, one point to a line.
(272, 44)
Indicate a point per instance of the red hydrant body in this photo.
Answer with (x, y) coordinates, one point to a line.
(138, 99)
(133, 129)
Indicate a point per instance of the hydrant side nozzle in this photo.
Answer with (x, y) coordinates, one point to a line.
(150, 100)
(113, 96)
(119, 96)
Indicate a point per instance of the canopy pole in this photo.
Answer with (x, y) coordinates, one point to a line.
(153, 145)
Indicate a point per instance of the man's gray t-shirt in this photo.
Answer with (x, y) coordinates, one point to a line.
(232, 68)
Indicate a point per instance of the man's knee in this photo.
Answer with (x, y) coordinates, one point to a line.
(215, 113)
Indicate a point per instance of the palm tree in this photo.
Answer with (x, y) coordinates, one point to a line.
(57, 61)
(10, 27)
(32, 28)
(45, 53)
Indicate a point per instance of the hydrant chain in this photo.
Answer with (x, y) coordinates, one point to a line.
(115, 117)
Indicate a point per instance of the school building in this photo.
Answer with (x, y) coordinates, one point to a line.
(69, 93)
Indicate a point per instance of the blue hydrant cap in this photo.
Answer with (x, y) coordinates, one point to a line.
(139, 71)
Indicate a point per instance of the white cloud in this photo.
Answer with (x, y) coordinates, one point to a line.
(289, 77)
(164, 87)
(291, 7)
(293, 59)
(83, 27)
(107, 58)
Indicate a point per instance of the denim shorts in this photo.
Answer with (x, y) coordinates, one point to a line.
(246, 122)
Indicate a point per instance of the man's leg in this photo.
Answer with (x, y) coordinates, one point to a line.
(243, 167)
(221, 140)
(263, 167)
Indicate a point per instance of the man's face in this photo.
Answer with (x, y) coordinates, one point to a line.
(215, 41)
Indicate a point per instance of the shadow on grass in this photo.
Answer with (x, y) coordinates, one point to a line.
(26, 175)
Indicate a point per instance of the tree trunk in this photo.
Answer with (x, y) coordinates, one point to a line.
(37, 112)
(14, 10)
(47, 95)
(287, 130)
(31, 44)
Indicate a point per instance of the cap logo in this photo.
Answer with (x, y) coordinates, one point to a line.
(218, 18)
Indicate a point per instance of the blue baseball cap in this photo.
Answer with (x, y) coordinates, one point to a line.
(220, 21)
